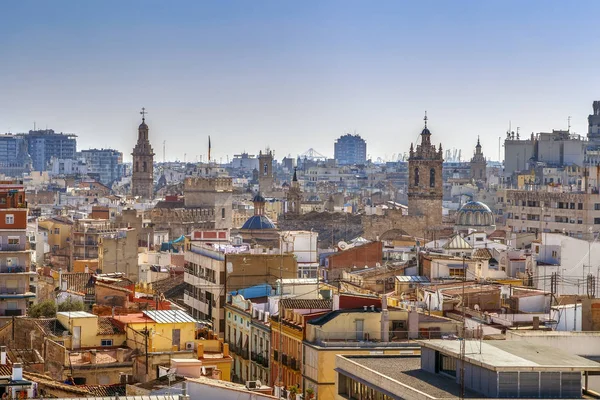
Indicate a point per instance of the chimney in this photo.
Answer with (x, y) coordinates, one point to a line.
(536, 323)
(93, 354)
(200, 350)
(385, 325)
(365, 308)
(3, 355)
(62, 283)
(87, 269)
(336, 302)
(120, 355)
(384, 302)
(372, 308)
(225, 349)
(17, 372)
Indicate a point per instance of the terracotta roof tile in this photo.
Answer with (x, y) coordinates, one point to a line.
(307, 304)
(108, 326)
(81, 282)
(51, 327)
(106, 390)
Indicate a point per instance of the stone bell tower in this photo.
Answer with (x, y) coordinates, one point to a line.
(478, 164)
(425, 191)
(142, 181)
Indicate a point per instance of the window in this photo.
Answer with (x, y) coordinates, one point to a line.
(9, 219)
(13, 240)
(106, 342)
(57, 231)
(223, 213)
(265, 169)
(416, 176)
(554, 253)
(580, 206)
(145, 166)
(432, 177)
(597, 206)
(596, 221)
(447, 364)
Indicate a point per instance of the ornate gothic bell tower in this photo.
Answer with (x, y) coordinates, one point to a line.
(425, 190)
(142, 181)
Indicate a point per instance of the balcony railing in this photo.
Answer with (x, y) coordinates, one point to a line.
(18, 290)
(12, 247)
(397, 338)
(13, 269)
(261, 358)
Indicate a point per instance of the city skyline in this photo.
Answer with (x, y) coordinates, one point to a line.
(294, 77)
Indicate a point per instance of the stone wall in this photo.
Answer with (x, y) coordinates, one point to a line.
(332, 227)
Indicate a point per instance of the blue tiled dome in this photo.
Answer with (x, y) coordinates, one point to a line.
(475, 214)
(258, 222)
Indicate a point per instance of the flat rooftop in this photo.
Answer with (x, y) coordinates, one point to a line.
(407, 371)
(509, 355)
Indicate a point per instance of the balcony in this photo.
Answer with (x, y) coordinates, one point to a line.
(15, 291)
(13, 269)
(12, 247)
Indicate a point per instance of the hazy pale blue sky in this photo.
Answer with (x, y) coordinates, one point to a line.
(295, 75)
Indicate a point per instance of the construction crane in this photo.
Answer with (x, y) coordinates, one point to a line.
(313, 155)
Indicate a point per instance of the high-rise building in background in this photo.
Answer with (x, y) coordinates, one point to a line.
(350, 150)
(104, 164)
(42, 145)
(142, 183)
(14, 157)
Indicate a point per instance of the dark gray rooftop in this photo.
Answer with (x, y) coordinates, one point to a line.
(509, 355)
(407, 370)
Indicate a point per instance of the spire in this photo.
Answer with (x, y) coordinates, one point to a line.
(478, 143)
(425, 119)
(295, 178)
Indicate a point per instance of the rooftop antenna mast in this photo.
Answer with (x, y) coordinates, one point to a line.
(569, 124)
(164, 150)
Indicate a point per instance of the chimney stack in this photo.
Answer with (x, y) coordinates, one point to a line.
(120, 355)
(17, 372)
(225, 349)
(336, 302)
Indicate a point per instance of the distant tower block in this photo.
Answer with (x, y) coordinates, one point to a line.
(265, 173)
(425, 179)
(142, 181)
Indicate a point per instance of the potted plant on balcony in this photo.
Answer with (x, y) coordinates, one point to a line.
(310, 393)
(292, 392)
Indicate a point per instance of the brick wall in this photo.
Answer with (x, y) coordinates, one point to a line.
(368, 254)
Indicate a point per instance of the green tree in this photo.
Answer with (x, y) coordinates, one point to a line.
(70, 305)
(45, 309)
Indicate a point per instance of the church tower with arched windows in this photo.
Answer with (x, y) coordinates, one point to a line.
(425, 190)
(142, 181)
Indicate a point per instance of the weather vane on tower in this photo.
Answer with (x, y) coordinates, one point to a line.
(425, 118)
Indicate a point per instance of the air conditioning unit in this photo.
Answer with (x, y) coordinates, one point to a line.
(189, 345)
(252, 385)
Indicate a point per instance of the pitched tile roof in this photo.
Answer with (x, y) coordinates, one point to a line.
(106, 390)
(108, 326)
(82, 282)
(51, 327)
(482, 253)
(457, 242)
(113, 286)
(307, 304)
(169, 286)
(44, 380)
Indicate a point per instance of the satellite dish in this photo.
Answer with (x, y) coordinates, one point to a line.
(342, 245)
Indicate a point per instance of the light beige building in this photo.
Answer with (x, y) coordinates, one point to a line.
(552, 209)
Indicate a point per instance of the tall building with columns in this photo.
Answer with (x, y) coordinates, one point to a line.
(142, 181)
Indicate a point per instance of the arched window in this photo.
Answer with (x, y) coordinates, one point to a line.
(265, 169)
(481, 173)
(223, 213)
(137, 166)
(432, 177)
(416, 176)
(145, 166)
